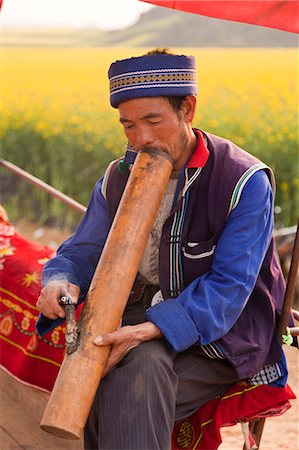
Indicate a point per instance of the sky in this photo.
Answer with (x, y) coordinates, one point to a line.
(104, 14)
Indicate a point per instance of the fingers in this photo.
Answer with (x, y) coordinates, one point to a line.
(47, 302)
(74, 291)
(125, 339)
(121, 341)
(123, 334)
(130, 333)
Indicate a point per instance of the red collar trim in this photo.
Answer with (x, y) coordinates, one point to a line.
(200, 154)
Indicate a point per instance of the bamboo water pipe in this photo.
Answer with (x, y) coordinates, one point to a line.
(79, 376)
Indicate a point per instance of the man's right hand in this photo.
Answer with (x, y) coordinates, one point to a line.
(47, 302)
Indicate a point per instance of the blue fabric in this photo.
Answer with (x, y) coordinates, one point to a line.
(208, 308)
(152, 76)
(215, 300)
(282, 381)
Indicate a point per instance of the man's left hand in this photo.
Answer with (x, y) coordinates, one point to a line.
(124, 339)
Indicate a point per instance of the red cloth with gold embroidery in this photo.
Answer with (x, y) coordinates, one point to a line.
(28, 357)
(201, 431)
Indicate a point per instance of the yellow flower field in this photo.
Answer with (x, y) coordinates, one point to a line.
(56, 120)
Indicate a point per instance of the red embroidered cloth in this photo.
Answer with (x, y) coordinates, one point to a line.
(240, 403)
(27, 356)
(36, 360)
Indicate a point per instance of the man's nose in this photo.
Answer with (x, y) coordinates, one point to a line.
(143, 139)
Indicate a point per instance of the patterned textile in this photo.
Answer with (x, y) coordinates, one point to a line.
(267, 375)
(24, 354)
(152, 76)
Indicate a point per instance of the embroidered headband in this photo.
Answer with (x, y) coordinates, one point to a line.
(152, 76)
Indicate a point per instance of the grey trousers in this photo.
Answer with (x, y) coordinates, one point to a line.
(139, 401)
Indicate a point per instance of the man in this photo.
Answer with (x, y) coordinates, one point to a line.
(202, 313)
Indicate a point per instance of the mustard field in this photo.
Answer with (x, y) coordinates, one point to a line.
(57, 123)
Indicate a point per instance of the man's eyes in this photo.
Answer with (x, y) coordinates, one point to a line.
(154, 122)
(128, 126)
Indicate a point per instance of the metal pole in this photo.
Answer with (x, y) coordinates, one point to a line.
(43, 186)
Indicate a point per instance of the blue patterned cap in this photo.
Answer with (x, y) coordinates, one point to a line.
(156, 75)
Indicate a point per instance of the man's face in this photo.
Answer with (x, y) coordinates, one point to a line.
(152, 122)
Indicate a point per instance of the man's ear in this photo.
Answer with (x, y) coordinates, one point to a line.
(188, 108)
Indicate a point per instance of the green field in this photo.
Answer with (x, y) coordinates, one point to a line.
(56, 121)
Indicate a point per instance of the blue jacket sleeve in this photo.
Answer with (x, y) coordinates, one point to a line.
(208, 308)
(77, 257)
